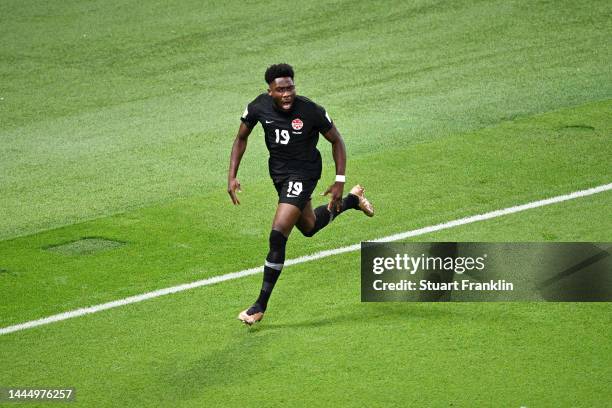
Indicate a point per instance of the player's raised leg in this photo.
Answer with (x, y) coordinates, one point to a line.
(312, 221)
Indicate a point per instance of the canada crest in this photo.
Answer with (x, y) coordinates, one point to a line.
(297, 124)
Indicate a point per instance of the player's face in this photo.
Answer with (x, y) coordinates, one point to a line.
(282, 90)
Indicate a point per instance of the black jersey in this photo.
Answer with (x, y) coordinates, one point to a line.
(291, 137)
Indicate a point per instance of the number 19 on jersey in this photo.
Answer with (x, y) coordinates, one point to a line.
(282, 136)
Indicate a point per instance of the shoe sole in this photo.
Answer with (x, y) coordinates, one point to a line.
(364, 204)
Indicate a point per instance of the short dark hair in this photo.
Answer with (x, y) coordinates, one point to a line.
(278, 71)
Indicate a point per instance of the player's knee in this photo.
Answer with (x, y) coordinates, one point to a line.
(277, 240)
(308, 233)
(307, 226)
(278, 243)
(282, 228)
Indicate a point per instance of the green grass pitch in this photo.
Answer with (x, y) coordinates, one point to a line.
(116, 123)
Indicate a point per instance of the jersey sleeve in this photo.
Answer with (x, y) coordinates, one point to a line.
(249, 116)
(324, 122)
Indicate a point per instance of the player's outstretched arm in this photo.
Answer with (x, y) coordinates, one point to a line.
(240, 144)
(339, 154)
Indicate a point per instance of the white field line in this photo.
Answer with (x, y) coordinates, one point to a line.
(302, 259)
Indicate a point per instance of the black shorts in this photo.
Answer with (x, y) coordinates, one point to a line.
(294, 191)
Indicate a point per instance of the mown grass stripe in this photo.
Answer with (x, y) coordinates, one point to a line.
(303, 259)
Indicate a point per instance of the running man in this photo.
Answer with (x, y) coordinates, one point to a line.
(292, 125)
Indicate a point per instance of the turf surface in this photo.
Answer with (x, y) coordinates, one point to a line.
(116, 124)
(180, 350)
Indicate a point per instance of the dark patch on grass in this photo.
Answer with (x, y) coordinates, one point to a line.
(577, 131)
(85, 246)
(579, 127)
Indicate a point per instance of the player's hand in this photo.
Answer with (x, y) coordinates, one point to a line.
(335, 190)
(233, 185)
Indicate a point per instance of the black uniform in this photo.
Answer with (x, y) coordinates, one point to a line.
(291, 138)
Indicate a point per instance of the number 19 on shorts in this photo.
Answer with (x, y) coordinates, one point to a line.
(295, 189)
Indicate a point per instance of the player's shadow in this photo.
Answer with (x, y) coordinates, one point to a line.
(225, 367)
(302, 323)
(254, 350)
(250, 352)
(389, 313)
(364, 313)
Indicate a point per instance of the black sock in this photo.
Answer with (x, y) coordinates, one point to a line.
(269, 280)
(323, 216)
(351, 201)
(272, 270)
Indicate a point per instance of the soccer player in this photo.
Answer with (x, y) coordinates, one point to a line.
(292, 125)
